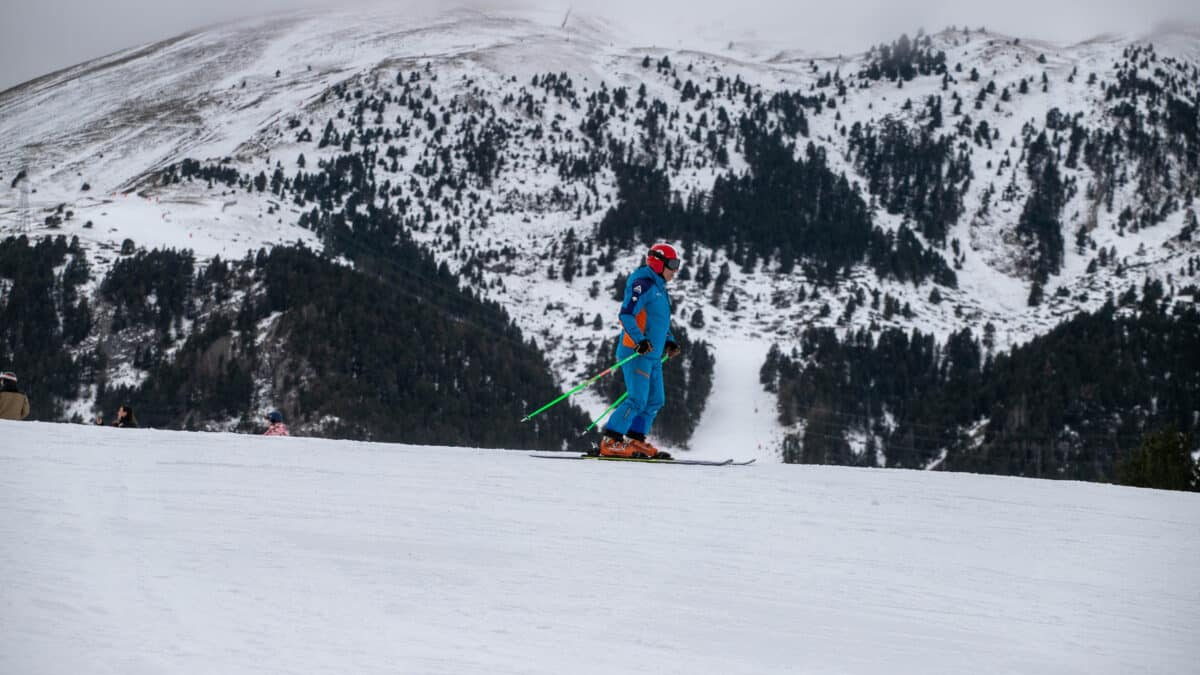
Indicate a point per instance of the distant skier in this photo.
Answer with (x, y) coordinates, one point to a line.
(276, 427)
(646, 318)
(125, 418)
(13, 404)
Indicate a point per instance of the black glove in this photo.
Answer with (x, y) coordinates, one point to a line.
(672, 349)
(644, 347)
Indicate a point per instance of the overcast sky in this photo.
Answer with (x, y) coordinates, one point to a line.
(41, 36)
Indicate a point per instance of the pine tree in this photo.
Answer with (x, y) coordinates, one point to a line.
(1035, 294)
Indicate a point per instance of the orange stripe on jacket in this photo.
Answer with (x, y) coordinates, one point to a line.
(627, 340)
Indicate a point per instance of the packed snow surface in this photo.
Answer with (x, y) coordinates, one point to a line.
(143, 551)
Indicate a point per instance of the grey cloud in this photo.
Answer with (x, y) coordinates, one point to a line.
(39, 37)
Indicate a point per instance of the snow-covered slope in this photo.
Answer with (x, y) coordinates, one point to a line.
(141, 551)
(239, 95)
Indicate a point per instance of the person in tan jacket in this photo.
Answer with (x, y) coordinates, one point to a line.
(13, 404)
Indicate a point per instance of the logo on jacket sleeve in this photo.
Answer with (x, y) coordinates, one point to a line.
(639, 288)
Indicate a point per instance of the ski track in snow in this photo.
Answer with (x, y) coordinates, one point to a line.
(740, 419)
(143, 551)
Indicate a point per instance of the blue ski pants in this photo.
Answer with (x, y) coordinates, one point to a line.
(644, 382)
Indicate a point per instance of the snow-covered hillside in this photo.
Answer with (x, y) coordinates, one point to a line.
(141, 551)
(242, 96)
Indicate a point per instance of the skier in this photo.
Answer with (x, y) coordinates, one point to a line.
(13, 404)
(125, 418)
(646, 318)
(276, 427)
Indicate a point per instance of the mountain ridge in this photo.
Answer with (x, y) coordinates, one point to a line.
(251, 131)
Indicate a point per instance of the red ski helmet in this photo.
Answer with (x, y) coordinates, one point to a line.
(663, 256)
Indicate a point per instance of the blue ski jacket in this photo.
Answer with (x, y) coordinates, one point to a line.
(646, 311)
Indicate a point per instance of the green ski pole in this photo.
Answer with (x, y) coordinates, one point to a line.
(582, 385)
(606, 411)
(614, 405)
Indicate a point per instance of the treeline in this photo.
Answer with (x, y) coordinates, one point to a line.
(387, 352)
(793, 212)
(904, 59)
(913, 174)
(1040, 221)
(1154, 104)
(1073, 403)
(43, 318)
(153, 288)
(359, 354)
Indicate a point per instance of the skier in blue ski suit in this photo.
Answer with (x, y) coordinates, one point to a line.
(646, 318)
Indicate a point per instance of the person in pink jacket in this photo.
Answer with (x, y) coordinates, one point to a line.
(276, 426)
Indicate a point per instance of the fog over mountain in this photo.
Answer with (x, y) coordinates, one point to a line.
(38, 38)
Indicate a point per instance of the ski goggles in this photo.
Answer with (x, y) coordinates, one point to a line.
(672, 264)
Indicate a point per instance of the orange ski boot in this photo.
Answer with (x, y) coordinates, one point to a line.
(643, 449)
(615, 446)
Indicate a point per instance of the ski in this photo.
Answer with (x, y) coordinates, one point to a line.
(689, 462)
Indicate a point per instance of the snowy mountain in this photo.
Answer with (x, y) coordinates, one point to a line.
(500, 141)
(160, 551)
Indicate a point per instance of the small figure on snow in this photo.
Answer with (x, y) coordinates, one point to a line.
(125, 418)
(646, 318)
(13, 404)
(275, 425)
